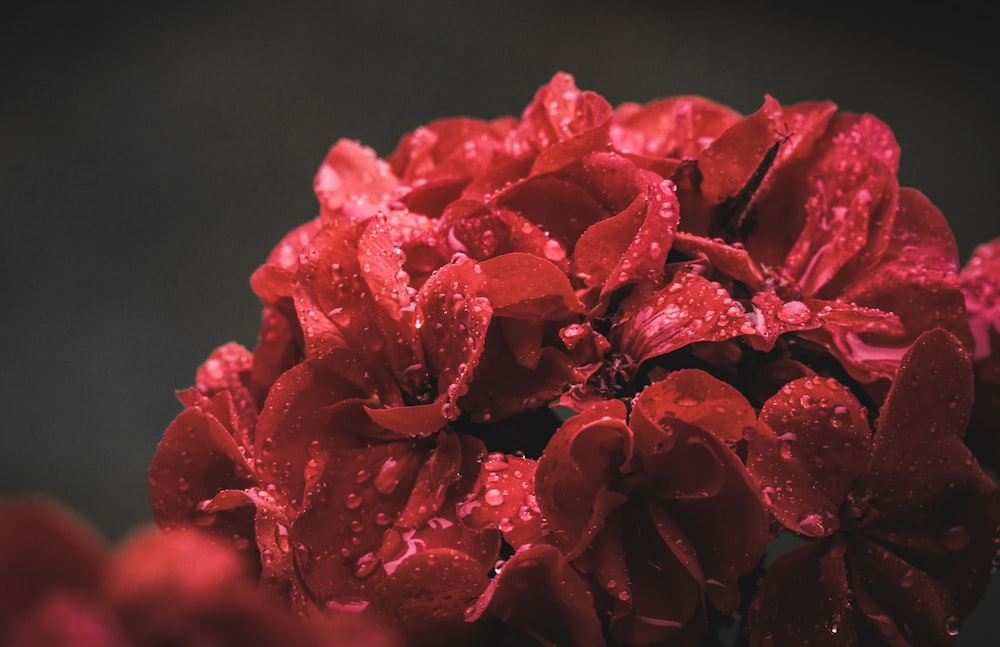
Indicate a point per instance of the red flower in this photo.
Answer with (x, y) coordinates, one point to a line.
(388, 447)
(907, 522)
(62, 588)
(654, 507)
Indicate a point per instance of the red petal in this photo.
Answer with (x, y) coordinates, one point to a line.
(438, 472)
(813, 442)
(294, 426)
(679, 127)
(452, 320)
(560, 207)
(980, 283)
(272, 281)
(561, 112)
(525, 286)
(578, 472)
(849, 206)
(352, 181)
(900, 603)
(539, 597)
(505, 387)
(731, 159)
(632, 245)
(279, 349)
(426, 598)
(730, 261)
(504, 498)
(196, 459)
(699, 399)
(804, 599)
(456, 148)
(689, 309)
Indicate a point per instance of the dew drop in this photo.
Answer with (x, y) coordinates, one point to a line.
(493, 497)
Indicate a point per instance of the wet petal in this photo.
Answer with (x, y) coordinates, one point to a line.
(196, 459)
(695, 397)
(731, 261)
(899, 602)
(538, 597)
(425, 598)
(850, 201)
(452, 321)
(272, 281)
(352, 181)
(293, 431)
(689, 309)
(632, 245)
(679, 127)
(504, 498)
(813, 441)
(804, 599)
(560, 112)
(577, 475)
(524, 286)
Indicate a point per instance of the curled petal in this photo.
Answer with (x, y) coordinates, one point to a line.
(731, 261)
(849, 204)
(294, 426)
(272, 281)
(452, 321)
(561, 112)
(577, 475)
(632, 245)
(900, 604)
(812, 443)
(538, 598)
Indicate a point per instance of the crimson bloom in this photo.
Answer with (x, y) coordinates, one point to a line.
(905, 519)
(390, 448)
(654, 507)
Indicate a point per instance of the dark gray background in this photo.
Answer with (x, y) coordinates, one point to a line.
(149, 160)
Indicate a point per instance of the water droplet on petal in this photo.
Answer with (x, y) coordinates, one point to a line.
(493, 497)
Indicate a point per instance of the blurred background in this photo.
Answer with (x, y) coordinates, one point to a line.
(150, 159)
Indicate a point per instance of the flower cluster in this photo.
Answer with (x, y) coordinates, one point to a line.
(559, 380)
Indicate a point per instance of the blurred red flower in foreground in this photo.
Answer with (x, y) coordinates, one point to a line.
(721, 304)
(62, 588)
